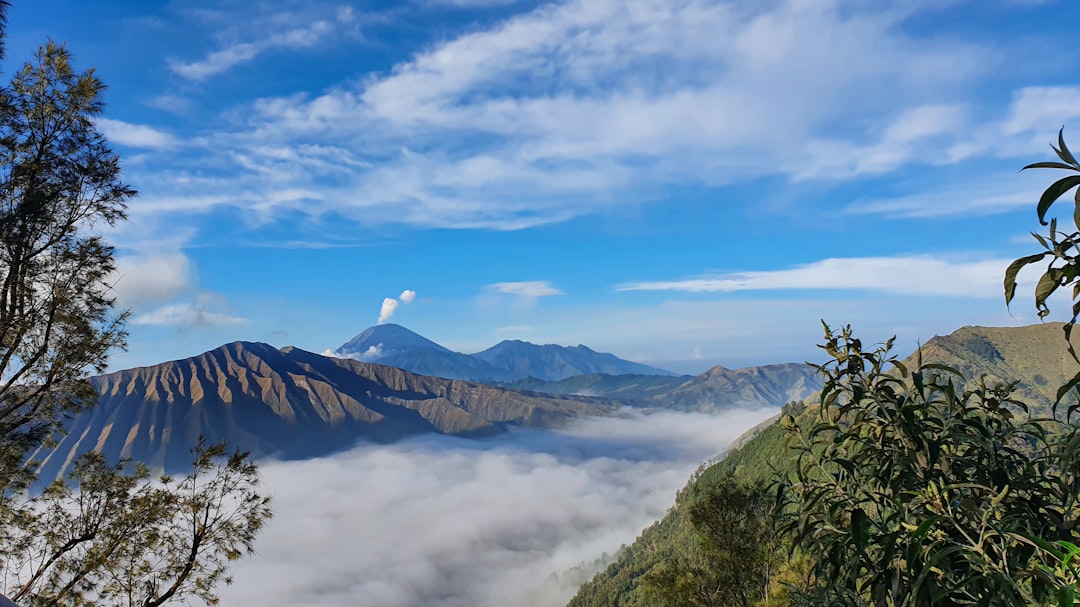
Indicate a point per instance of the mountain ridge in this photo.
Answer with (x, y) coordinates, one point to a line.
(288, 403)
(507, 361)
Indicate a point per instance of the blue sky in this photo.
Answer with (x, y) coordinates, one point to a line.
(680, 182)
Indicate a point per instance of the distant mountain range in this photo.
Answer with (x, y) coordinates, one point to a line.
(292, 404)
(288, 403)
(507, 361)
(714, 390)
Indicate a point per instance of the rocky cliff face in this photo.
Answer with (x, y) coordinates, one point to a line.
(287, 403)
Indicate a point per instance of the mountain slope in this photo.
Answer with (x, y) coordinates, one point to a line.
(551, 362)
(381, 341)
(440, 363)
(763, 386)
(635, 389)
(287, 403)
(1035, 356)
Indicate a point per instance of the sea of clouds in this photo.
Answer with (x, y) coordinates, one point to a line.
(454, 522)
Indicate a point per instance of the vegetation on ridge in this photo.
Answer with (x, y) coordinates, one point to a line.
(911, 484)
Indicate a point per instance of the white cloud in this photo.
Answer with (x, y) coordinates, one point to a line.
(373, 353)
(206, 311)
(575, 107)
(242, 52)
(921, 275)
(528, 289)
(585, 106)
(1042, 109)
(389, 306)
(134, 135)
(141, 279)
(916, 134)
(478, 523)
(988, 196)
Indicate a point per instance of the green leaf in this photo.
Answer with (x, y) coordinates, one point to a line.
(1049, 165)
(860, 528)
(1014, 269)
(1055, 191)
(1066, 596)
(1046, 286)
(1076, 210)
(1063, 150)
(1064, 390)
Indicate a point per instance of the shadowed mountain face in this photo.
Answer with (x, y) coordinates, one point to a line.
(507, 361)
(550, 362)
(287, 403)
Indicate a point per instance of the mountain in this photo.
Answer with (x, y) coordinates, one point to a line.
(552, 362)
(716, 389)
(763, 386)
(634, 389)
(382, 341)
(394, 345)
(1035, 356)
(288, 403)
(453, 365)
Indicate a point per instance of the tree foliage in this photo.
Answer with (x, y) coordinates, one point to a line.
(122, 540)
(109, 535)
(733, 556)
(916, 488)
(59, 182)
(923, 487)
(1061, 250)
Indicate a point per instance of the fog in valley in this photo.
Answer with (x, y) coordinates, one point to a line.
(456, 522)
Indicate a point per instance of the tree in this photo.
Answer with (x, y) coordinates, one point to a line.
(59, 181)
(733, 553)
(923, 487)
(111, 535)
(120, 540)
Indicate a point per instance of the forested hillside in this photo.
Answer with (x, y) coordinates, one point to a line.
(1034, 356)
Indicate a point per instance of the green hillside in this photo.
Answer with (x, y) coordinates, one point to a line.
(1035, 356)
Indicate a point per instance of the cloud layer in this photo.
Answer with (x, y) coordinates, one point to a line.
(462, 523)
(589, 105)
(921, 275)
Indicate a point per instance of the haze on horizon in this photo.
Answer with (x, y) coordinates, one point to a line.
(679, 183)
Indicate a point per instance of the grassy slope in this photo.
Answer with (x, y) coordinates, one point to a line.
(1035, 356)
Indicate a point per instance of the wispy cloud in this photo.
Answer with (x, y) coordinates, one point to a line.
(135, 135)
(587, 106)
(206, 311)
(224, 59)
(530, 289)
(154, 277)
(582, 106)
(921, 275)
